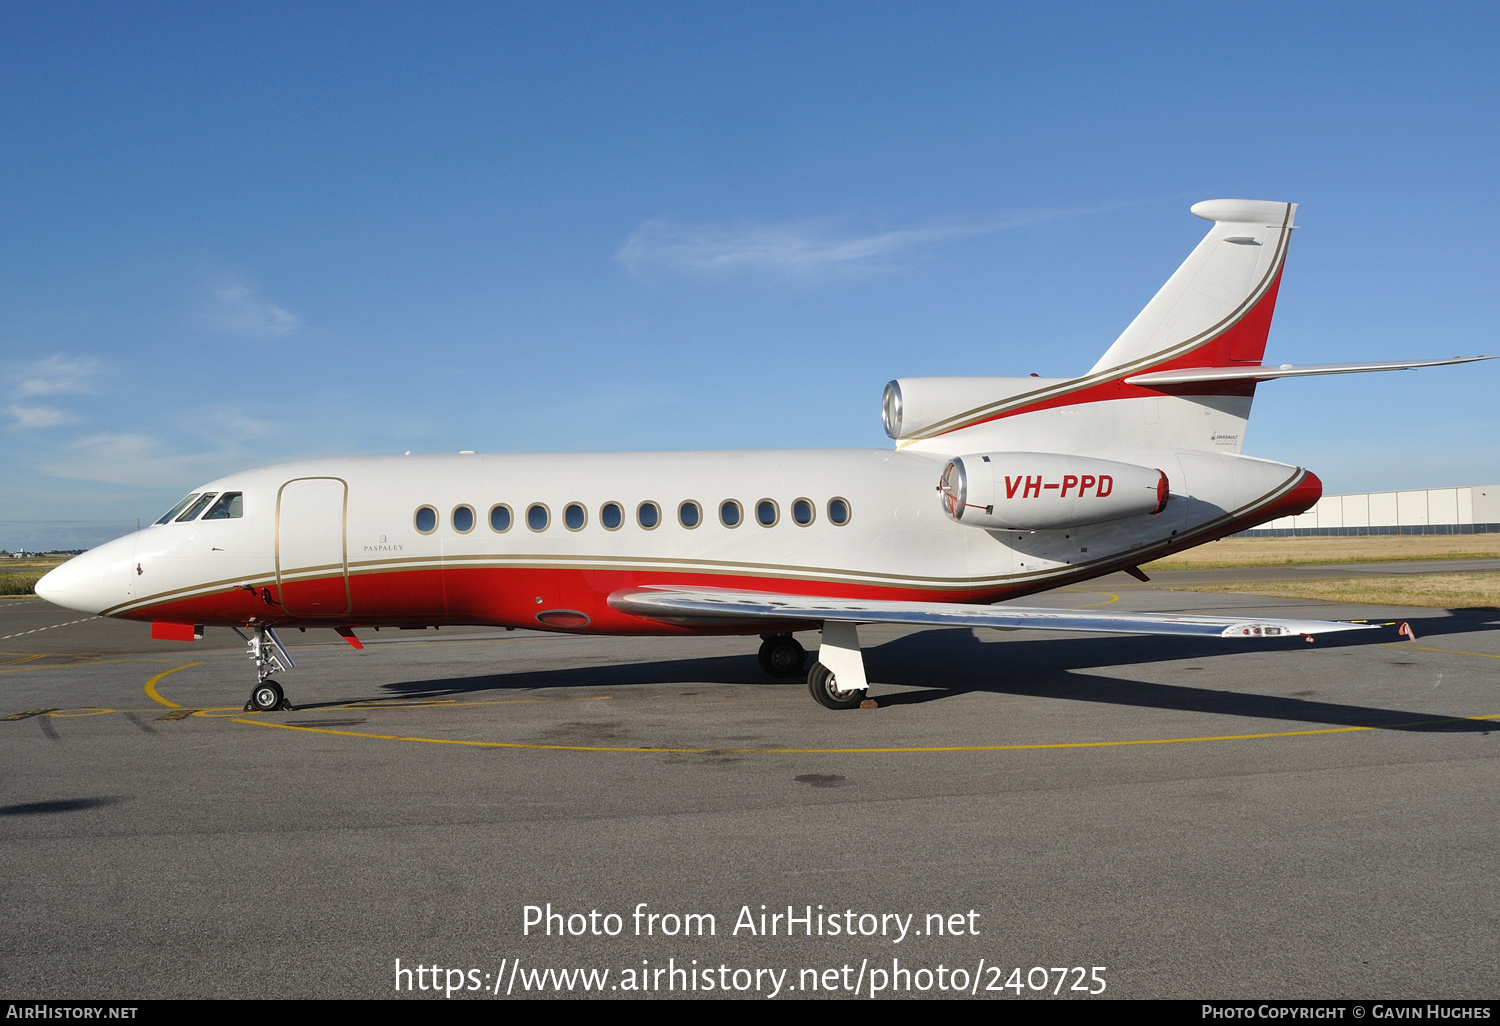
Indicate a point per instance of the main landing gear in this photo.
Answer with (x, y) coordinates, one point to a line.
(269, 656)
(827, 692)
(781, 656)
(837, 679)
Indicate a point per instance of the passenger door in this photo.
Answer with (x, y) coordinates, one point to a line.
(312, 558)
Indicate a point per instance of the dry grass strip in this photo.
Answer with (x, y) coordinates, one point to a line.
(1306, 551)
(1442, 591)
(18, 584)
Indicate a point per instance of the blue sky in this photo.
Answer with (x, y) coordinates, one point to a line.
(241, 234)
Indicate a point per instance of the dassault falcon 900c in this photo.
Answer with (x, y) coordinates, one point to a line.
(996, 488)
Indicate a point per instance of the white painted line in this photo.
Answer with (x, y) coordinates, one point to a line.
(54, 626)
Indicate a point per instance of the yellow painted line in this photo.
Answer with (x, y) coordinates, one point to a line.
(86, 655)
(231, 711)
(215, 712)
(23, 659)
(865, 751)
(151, 685)
(1094, 605)
(64, 666)
(88, 710)
(370, 703)
(24, 715)
(1445, 651)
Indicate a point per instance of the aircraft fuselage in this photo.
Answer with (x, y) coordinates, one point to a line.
(414, 540)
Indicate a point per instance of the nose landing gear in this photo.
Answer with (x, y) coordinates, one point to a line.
(267, 697)
(269, 656)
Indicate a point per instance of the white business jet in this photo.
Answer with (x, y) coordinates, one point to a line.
(995, 488)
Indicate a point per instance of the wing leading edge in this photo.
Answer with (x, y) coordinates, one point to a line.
(719, 607)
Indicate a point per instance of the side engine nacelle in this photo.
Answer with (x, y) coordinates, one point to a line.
(913, 407)
(1037, 491)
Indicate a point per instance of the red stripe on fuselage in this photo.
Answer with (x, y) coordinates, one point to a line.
(512, 597)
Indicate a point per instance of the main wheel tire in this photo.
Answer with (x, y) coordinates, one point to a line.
(781, 656)
(267, 696)
(824, 688)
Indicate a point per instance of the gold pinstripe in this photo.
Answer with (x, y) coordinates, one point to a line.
(728, 568)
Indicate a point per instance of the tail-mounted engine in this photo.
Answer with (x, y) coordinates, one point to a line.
(1036, 491)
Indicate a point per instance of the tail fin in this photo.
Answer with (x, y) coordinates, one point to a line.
(1181, 376)
(1216, 310)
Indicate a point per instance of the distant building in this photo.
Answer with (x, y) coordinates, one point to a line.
(1472, 509)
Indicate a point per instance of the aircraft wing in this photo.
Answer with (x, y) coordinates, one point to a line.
(715, 606)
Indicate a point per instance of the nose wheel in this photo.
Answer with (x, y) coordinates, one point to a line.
(267, 697)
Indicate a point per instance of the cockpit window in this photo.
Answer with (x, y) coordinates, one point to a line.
(184, 504)
(197, 507)
(231, 506)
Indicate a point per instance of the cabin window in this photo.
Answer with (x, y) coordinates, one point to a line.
(611, 516)
(689, 514)
(197, 507)
(184, 504)
(730, 514)
(838, 511)
(426, 519)
(802, 512)
(463, 519)
(230, 506)
(500, 517)
(538, 516)
(574, 516)
(767, 512)
(648, 515)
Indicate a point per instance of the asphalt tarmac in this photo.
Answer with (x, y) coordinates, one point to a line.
(1155, 817)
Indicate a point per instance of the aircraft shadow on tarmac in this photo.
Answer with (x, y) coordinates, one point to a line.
(948, 663)
(56, 805)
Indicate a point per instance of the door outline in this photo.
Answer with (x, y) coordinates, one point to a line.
(343, 543)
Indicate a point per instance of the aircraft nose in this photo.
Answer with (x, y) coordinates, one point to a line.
(93, 581)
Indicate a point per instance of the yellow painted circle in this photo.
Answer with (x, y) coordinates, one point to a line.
(365, 705)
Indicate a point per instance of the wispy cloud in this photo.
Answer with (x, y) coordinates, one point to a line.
(206, 443)
(802, 251)
(137, 460)
(39, 416)
(238, 309)
(57, 374)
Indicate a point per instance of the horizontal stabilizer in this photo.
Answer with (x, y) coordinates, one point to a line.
(708, 606)
(1190, 375)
